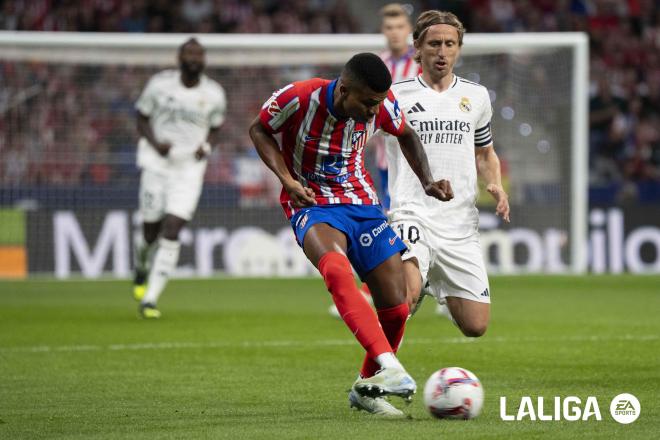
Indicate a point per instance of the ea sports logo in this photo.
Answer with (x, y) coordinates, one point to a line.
(365, 239)
(625, 408)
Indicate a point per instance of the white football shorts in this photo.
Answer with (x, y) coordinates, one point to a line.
(175, 191)
(452, 267)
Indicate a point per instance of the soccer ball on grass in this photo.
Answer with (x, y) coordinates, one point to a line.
(453, 393)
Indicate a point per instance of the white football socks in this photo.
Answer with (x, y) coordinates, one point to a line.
(388, 360)
(165, 260)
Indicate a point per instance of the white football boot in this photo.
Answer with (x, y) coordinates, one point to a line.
(387, 382)
(373, 405)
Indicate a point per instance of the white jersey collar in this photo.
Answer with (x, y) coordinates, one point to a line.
(425, 84)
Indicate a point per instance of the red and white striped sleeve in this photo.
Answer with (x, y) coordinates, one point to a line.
(279, 109)
(390, 116)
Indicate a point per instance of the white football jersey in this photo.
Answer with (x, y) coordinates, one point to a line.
(450, 124)
(179, 115)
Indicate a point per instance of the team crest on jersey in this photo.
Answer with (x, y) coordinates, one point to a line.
(358, 139)
(273, 107)
(465, 105)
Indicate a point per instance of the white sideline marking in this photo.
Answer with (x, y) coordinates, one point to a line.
(314, 343)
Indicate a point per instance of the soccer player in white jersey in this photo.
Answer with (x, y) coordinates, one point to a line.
(179, 115)
(452, 118)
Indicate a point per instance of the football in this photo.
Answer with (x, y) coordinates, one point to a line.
(453, 393)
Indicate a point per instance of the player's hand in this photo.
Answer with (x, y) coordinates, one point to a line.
(441, 190)
(502, 199)
(163, 148)
(300, 196)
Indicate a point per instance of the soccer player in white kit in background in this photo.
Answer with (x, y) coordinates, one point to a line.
(452, 118)
(179, 115)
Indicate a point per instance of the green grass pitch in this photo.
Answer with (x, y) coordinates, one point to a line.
(262, 359)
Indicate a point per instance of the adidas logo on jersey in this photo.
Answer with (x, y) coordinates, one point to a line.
(417, 108)
(485, 292)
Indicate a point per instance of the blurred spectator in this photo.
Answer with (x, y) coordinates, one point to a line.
(624, 141)
(197, 16)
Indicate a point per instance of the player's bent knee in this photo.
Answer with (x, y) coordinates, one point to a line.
(171, 231)
(172, 226)
(474, 329)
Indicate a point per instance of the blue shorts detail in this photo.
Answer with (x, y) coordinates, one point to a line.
(370, 239)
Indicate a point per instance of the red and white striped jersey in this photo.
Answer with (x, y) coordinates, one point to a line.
(322, 151)
(403, 67)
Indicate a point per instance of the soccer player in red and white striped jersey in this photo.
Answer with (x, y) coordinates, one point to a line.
(399, 59)
(400, 54)
(329, 197)
(323, 149)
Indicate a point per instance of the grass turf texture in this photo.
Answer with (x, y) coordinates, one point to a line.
(263, 359)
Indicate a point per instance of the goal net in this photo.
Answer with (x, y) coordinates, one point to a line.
(68, 181)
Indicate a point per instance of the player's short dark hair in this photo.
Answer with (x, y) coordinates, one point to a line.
(190, 41)
(369, 70)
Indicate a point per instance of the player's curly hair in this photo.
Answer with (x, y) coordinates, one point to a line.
(368, 69)
(431, 18)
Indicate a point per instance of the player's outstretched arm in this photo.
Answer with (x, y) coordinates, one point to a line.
(414, 153)
(488, 164)
(270, 154)
(144, 129)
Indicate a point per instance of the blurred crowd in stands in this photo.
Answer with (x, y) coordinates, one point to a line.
(44, 138)
(198, 16)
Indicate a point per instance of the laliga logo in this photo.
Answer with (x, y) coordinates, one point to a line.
(624, 409)
(567, 409)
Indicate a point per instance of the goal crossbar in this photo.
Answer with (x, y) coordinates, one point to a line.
(245, 50)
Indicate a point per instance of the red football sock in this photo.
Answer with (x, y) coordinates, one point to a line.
(393, 321)
(353, 309)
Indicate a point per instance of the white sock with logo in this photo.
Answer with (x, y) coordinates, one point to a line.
(165, 261)
(388, 360)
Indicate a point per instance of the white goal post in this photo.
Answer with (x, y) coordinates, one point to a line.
(547, 151)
